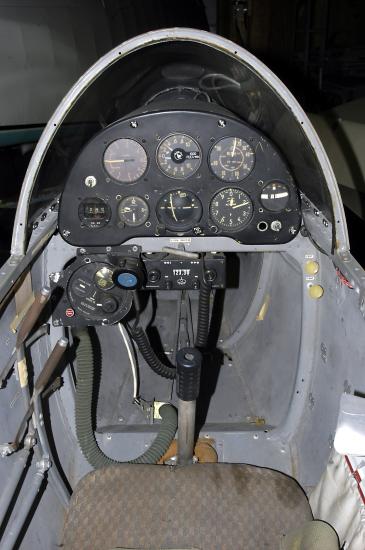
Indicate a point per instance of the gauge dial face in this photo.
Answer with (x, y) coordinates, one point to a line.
(231, 159)
(231, 209)
(179, 156)
(179, 210)
(104, 278)
(133, 211)
(275, 196)
(125, 160)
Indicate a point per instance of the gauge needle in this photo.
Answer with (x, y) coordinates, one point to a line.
(242, 204)
(172, 208)
(119, 160)
(114, 160)
(234, 147)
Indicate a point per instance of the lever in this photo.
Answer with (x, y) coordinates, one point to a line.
(188, 369)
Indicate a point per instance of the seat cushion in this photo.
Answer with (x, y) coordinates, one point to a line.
(203, 506)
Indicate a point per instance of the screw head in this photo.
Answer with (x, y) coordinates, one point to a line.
(133, 124)
(66, 233)
(221, 123)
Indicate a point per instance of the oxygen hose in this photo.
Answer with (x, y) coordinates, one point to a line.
(83, 413)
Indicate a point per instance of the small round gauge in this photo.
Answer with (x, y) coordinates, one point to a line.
(104, 278)
(125, 160)
(231, 159)
(179, 210)
(275, 196)
(231, 209)
(179, 156)
(94, 212)
(133, 211)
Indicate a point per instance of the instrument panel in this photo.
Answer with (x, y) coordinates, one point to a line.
(179, 173)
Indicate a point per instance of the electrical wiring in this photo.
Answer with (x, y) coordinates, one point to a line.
(130, 351)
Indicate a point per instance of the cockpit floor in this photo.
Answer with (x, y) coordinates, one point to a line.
(204, 506)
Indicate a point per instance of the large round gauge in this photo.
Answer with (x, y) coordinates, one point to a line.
(133, 211)
(275, 196)
(179, 156)
(179, 210)
(231, 209)
(231, 159)
(125, 160)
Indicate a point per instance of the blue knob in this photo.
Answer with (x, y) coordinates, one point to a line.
(127, 280)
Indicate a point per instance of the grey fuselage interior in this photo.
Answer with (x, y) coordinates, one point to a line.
(280, 357)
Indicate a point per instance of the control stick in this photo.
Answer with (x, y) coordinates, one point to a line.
(188, 369)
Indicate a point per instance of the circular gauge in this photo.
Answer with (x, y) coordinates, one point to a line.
(104, 278)
(231, 159)
(179, 156)
(133, 211)
(125, 160)
(179, 210)
(275, 196)
(94, 212)
(231, 209)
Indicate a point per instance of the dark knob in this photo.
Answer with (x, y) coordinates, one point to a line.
(154, 275)
(109, 305)
(188, 369)
(210, 275)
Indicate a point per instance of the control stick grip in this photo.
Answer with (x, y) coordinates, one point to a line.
(188, 370)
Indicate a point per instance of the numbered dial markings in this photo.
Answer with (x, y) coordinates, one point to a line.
(231, 209)
(125, 160)
(275, 196)
(179, 210)
(133, 211)
(231, 159)
(179, 156)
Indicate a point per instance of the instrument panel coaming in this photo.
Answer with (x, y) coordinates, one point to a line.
(179, 173)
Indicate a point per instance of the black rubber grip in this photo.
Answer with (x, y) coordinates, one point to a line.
(188, 369)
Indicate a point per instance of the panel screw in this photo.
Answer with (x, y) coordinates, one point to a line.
(134, 124)
(66, 232)
(325, 223)
(221, 123)
(135, 248)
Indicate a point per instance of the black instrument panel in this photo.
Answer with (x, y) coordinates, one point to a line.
(173, 173)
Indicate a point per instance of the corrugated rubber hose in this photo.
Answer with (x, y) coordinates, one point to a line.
(203, 316)
(83, 413)
(144, 346)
